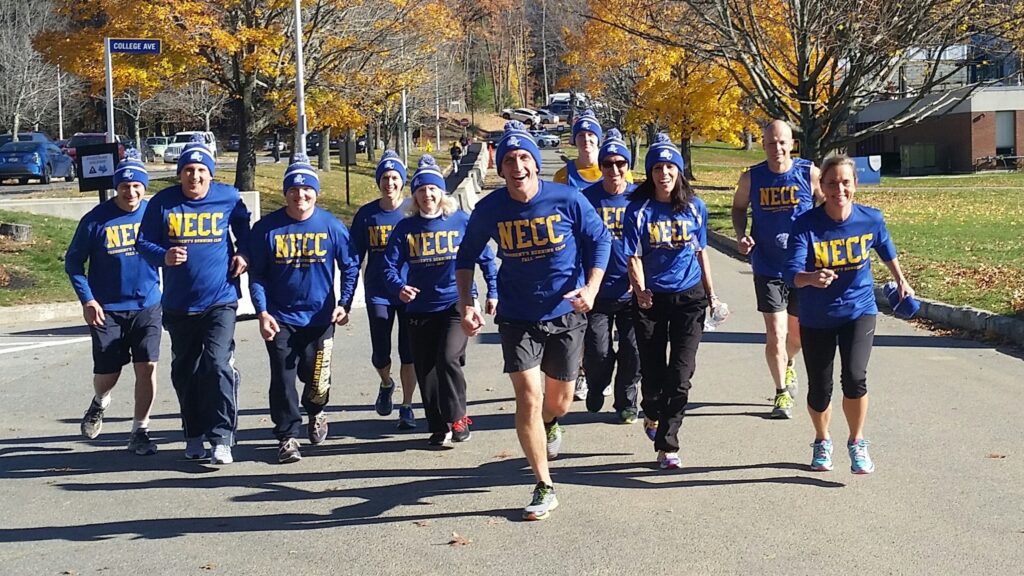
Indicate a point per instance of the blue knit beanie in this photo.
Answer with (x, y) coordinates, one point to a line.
(391, 161)
(427, 172)
(516, 137)
(614, 145)
(131, 169)
(663, 150)
(586, 122)
(196, 152)
(301, 173)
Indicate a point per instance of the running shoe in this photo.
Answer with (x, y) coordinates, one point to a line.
(783, 408)
(440, 440)
(406, 418)
(194, 449)
(288, 451)
(92, 422)
(140, 444)
(628, 416)
(650, 428)
(607, 391)
(821, 456)
(668, 460)
(317, 428)
(860, 461)
(544, 501)
(384, 404)
(790, 381)
(581, 387)
(554, 434)
(594, 400)
(221, 455)
(460, 429)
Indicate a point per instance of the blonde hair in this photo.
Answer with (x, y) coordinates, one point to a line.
(834, 161)
(448, 206)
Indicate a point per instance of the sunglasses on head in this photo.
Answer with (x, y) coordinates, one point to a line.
(620, 164)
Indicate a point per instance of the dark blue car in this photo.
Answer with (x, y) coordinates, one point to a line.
(41, 161)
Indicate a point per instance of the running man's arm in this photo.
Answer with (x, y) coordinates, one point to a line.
(740, 203)
(819, 196)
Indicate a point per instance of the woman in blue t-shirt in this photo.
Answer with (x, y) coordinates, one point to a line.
(830, 264)
(664, 235)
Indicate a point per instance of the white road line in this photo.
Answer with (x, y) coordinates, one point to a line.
(46, 344)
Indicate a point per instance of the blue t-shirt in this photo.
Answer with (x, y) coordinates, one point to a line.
(427, 249)
(776, 200)
(667, 242)
(371, 228)
(172, 219)
(611, 208)
(119, 279)
(292, 263)
(818, 242)
(546, 246)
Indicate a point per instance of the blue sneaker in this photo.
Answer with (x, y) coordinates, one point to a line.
(384, 405)
(650, 428)
(821, 459)
(406, 418)
(860, 462)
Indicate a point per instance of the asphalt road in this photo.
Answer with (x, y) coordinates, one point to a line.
(946, 498)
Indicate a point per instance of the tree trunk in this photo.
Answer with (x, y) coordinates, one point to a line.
(371, 142)
(748, 140)
(17, 126)
(245, 168)
(686, 148)
(634, 148)
(325, 149)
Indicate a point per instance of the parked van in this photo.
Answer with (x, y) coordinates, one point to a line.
(173, 150)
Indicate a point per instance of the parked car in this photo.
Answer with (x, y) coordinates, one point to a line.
(24, 137)
(234, 143)
(547, 116)
(173, 150)
(35, 160)
(546, 139)
(154, 147)
(88, 139)
(562, 109)
(524, 115)
(268, 144)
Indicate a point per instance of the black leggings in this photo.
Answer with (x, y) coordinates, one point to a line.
(854, 340)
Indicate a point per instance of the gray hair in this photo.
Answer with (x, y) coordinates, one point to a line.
(448, 206)
(834, 161)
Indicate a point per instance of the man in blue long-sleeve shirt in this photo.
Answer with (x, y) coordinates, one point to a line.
(120, 298)
(554, 250)
(186, 230)
(293, 255)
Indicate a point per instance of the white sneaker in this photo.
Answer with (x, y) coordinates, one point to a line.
(581, 388)
(221, 454)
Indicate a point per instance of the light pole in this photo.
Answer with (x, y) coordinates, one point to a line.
(300, 103)
(60, 109)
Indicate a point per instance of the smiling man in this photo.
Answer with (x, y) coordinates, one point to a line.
(186, 230)
(294, 252)
(553, 249)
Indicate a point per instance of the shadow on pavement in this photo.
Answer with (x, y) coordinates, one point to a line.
(82, 330)
(719, 337)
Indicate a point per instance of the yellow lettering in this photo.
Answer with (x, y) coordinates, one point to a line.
(215, 228)
(821, 254)
(413, 244)
(452, 235)
(851, 255)
(552, 236)
(113, 238)
(864, 240)
(281, 247)
(837, 258)
(174, 223)
(127, 238)
(425, 238)
(505, 235)
(764, 196)
(203, 230)
(521, 240)
(319, 250)
(538, 240)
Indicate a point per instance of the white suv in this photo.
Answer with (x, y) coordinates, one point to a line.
(173, 150)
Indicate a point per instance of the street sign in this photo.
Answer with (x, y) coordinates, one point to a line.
(135, 45)
(464, 122)
(95, 167)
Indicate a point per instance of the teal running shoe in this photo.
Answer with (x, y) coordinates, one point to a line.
(821, 458)
(860, 461)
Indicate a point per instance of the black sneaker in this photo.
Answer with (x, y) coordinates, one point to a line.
(440, 440)
(595, 400)
(92, 422)
(384, 404)
(288, 451)
(140, 444)
(460, 429)
(317, 428)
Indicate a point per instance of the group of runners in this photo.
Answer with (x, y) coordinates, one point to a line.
(585, 264)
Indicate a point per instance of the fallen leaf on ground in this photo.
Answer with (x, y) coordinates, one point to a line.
(422, 523)
(458, 540)
(207, 566)
(996, 456)
(503, 454)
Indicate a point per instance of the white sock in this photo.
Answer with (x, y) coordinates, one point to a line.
(103, 401)
(136, 424)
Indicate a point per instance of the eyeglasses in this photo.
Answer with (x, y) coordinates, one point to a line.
(620, 164)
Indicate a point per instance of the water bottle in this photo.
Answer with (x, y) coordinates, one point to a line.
(718, 315)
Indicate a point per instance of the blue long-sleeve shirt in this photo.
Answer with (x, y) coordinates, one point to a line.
(371, 228)
(546, 247)
(292, 267)
(667, 241)
(427, 248)
(118, 278)
(611, 208)
(204, 279)
(817, 242)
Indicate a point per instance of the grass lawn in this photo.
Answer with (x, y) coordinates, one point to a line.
(33, 272)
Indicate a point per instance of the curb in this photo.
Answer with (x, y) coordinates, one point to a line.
(40, 312)
(964, 317)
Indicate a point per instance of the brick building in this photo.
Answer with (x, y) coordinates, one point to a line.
(983, 131)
